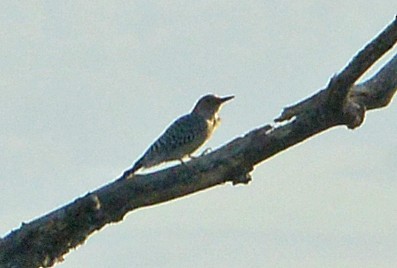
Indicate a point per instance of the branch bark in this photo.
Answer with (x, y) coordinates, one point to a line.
(43, 242)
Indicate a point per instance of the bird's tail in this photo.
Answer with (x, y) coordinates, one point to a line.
(138, 164)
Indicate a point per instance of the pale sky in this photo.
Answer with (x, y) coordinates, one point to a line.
(86, 86)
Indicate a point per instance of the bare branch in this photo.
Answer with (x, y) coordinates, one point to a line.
(363, 61)
(378, 91)
(46, 240)
(340, 85)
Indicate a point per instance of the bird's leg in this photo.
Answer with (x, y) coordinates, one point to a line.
(192, 157)
(182, 162)
(206, 151)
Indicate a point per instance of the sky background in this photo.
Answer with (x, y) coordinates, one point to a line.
(87, 86)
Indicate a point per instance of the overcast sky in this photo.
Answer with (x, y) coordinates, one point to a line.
(86, 86)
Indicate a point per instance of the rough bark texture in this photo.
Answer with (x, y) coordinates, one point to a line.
(46, 240)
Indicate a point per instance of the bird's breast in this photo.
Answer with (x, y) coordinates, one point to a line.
(212, 124)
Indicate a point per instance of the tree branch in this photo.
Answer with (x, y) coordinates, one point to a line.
(46, 240)
(343, 84)
(378, 91)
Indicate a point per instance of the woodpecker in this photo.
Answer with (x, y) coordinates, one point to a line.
(185, 135)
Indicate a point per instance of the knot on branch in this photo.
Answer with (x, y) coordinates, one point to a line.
(240, 175)
(242, 179)
(353, 113)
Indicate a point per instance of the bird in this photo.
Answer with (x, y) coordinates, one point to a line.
(184, 136)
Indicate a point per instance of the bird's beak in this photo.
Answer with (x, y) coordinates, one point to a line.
(225, 99)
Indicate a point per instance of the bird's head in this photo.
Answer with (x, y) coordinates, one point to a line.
(209, 105)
